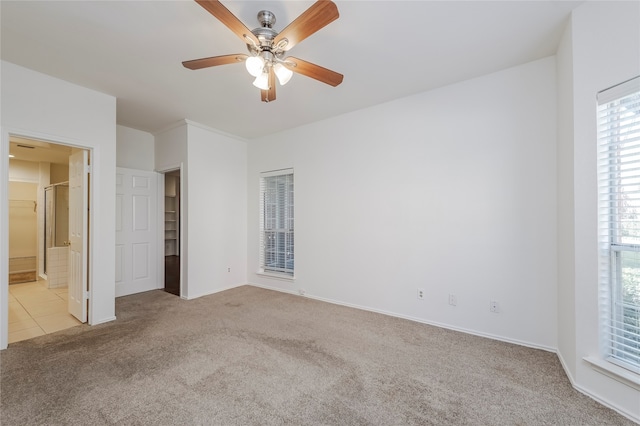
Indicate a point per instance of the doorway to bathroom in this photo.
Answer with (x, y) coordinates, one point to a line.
(41, 259)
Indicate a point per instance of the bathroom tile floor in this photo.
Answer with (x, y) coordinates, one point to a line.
(35, 310)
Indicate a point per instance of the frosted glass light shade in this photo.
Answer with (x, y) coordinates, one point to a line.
(262, 81)
(254, 65)
(283, 73)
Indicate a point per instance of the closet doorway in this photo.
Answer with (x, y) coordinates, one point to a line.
(172, 232)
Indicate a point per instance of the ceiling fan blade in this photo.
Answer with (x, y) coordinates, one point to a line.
(317, 72)
(319, 15)
(214, 61)
(223, 14)
(270, 95)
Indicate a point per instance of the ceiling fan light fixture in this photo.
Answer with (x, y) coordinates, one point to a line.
(254, 65)
(283, 73)
(262, 81)
(267, 47)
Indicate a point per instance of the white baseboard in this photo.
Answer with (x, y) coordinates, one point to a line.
(218, 290)
(606, 403)
(593, 396)
(266, 287)
(415, 319)
(103, 320)
(566, 369)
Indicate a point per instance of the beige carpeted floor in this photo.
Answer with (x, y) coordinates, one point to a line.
(250, 356)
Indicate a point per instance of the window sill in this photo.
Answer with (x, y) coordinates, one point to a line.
(620, 374)
(276, 276)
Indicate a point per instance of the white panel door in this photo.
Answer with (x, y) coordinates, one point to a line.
(78, 234)
(136, 231)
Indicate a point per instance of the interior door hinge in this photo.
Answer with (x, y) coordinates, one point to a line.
(87, 294)
(87, 168)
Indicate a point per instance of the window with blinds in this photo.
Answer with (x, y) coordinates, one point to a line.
(277, 222)
(619, 222)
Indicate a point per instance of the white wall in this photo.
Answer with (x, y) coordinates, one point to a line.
(23, 240)
(170, 154)
(213, 205)
(134, 149)
(23, 191)
(171, 147)
(451, 190)
(566, 208)
(37, 106)
(217, 211)
(23, 171)
(605, 50)
(59, 173)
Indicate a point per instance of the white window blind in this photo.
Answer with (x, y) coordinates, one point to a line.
(277, 222)
(619, 222)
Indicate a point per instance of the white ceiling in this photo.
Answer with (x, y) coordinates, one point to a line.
(32, 150)
(386, 50)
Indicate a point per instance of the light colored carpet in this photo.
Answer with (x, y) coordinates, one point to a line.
(250, 356)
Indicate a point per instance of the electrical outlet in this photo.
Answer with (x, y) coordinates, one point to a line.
(228, 269)
(453, 300)
(301, 292)
(494, 307)
(420, 293)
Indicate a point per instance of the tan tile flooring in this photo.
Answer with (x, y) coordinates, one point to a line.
(35, 310)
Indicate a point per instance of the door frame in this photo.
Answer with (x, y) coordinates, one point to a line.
(4, 219)
(168, 169)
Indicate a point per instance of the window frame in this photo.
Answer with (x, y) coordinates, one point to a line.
(614, 159)
(277, 224)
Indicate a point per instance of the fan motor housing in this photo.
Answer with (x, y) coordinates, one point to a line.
(265, 33)
(266, 18)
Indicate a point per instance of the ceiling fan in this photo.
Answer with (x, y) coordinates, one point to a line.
(267, 48)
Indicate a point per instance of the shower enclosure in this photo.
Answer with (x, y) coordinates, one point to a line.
(56, 218)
